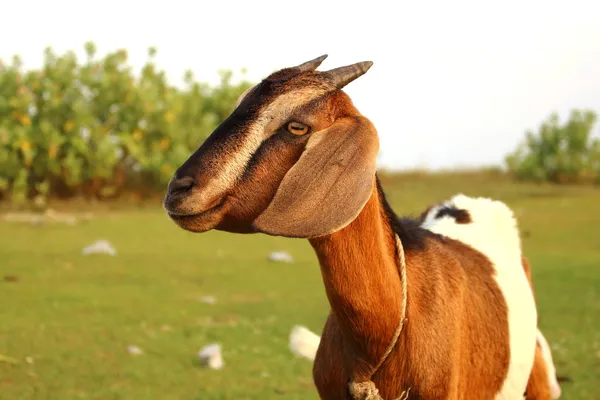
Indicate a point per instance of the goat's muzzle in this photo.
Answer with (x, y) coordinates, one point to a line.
(192, 207)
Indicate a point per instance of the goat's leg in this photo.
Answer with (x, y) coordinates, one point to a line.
(538, 386)
(328, 369)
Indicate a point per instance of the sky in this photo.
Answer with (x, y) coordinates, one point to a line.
(454, 84)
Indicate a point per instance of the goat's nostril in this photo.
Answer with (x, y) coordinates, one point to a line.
(181, 185)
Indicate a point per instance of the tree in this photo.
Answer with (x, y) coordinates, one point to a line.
(93, 127)
(566, 153)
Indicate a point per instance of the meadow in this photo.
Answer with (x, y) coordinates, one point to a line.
(67, 319)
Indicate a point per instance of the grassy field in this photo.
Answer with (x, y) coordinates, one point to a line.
(69, 318)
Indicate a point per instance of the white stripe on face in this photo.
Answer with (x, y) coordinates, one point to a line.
(270, 118)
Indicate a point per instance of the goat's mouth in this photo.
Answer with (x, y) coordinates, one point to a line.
(202, 221)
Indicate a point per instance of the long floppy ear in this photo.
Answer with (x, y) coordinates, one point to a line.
(328, 186)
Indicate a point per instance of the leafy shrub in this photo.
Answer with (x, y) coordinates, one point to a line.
(566, 153)
(94, 128)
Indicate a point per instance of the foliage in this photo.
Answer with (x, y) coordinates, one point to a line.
(566, 153)
(94, 127)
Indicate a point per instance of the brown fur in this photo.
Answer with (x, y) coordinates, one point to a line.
(538, 386)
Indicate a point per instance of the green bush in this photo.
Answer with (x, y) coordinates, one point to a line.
(94, 128)
(566, 153)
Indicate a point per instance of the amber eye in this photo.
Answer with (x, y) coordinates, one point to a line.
(296, 128)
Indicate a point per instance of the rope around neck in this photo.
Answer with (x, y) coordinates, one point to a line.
(367, 390)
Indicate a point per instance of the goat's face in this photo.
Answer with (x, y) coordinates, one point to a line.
(295, 158)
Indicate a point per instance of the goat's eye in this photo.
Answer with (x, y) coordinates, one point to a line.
(296, 128)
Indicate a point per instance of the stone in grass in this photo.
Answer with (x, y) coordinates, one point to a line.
(210, 356)
(303, 342)
(208, 299)
(99, 247)
(134, 350)
(281, 256)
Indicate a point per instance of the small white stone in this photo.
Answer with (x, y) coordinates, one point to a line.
(134, 350)
(281, 256)
(304, 343)
(211, 357)
(208, 299)
(99, 247)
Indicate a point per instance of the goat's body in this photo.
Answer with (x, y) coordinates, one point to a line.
(455, 343)
(464, 338)
(493, 232)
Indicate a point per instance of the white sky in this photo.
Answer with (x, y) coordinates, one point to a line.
(455, 83)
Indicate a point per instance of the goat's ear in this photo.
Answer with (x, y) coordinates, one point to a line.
(328, 186)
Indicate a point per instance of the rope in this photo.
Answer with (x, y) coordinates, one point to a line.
(367, 390)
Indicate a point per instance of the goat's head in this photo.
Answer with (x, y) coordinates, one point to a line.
(295, 158)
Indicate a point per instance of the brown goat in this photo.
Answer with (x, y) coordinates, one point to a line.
(297, 159)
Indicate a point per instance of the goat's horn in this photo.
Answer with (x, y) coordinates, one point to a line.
(344, 75)
(312, 64)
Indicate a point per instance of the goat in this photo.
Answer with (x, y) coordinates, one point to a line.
(413, 313)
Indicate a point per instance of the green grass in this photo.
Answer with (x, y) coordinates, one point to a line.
(75, 315)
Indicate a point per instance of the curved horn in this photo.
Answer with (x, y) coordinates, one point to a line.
(344, 75)
(312, 64)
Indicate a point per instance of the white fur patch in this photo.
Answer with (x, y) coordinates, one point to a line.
(234, 164)
(555, 390)
(493, 231)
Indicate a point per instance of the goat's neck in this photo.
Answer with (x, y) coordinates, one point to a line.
(360, 273)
